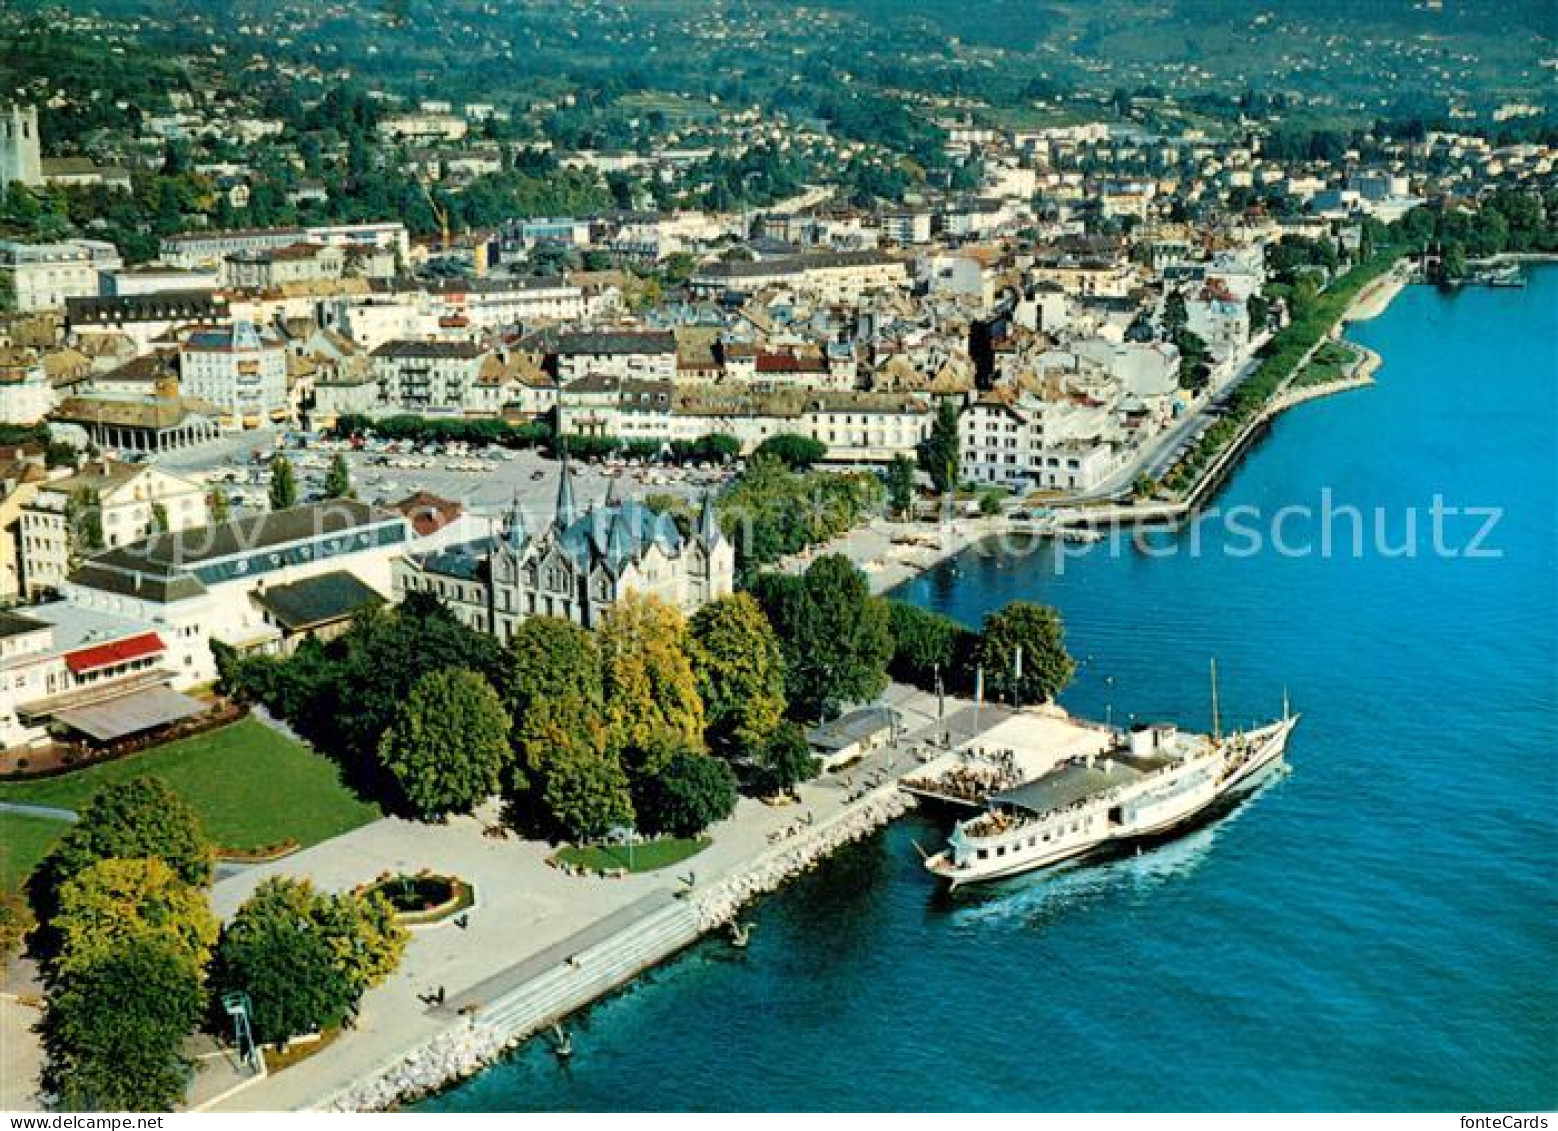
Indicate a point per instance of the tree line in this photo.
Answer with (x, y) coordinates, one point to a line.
(134, 961)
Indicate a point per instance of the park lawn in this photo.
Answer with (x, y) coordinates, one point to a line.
(252, 786)
(23, 842)
(650, 856)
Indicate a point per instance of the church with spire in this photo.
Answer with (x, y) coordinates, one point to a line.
(577, 565)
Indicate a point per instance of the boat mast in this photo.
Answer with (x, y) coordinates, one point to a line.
(1217, 728)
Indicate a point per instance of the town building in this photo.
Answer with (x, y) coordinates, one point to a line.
(425, 377)
(1024, 442)
(144, 319)
(43, 276)
(239, 369)
(578, 565)
(200, 585)
(642, 354)
(301, 262)
(161, 421)
(840, 276)
(103, 505)
(207, 250)
(83, 674)
(855, 426)
(22, 470)
(26, 393)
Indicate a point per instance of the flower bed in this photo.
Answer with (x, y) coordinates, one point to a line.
(262, 855)
(424, 898)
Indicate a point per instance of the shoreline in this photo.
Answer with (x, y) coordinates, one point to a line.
(464, 1049)
(871, 547)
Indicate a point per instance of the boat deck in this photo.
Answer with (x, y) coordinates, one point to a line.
(1067, 785)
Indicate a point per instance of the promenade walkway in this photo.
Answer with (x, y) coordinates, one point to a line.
(528, 916)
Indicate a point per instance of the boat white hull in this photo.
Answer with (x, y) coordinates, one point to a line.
(1248, 774)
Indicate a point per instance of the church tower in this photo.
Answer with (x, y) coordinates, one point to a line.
(19, 153)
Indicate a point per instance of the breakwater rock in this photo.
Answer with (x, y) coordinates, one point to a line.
(458, 1052)
(719, 904)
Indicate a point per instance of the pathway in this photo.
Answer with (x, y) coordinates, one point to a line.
(46, 812)
(527, 915)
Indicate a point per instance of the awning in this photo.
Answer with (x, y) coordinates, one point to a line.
(117, 652)
(130, 714)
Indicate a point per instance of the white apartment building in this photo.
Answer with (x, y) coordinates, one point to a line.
(842, 276)
(856, 427)
(26, 394)
(84, 672)
(1028, 443)
(492, 304)
(129, 502)
(240, 369)
(426, 378)
(208, 249)
(645, 355)
(906, 227)
(301, 262)
(41, 276)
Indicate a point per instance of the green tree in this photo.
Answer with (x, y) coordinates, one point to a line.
(220, 505)
(272, 951)
(1175, 316)
(686, 795)
(1452, 266)
(448, 744)
(115, 1028)
(84, 518)
(785, 762)
(338, 480)
(366, 941)
(305, 957)
(651, 697)
(135, 819)
(938, 452)
(1258, 307)
(16, 923)
(834, 635)
(586, 793)
(1043, 670)
(740, 674)
(548, 658)
(113, 901)
(283, 484)
(796, 452)
(159, 518)
(372, 666)
(925, 644)
(900, 485)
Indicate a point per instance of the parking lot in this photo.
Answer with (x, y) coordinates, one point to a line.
(485, 480)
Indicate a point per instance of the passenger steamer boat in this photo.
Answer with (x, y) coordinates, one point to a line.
(1157, 780)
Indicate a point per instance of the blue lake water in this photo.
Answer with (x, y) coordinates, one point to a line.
(1377, 930)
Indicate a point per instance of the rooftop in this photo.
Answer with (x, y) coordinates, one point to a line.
(324, 599)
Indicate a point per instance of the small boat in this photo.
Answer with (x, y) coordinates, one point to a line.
(740, 935)
(1155, 781)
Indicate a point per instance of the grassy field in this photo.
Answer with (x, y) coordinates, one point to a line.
(1331, 362)
(23, 842)
(650, 856)
(252, 786)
